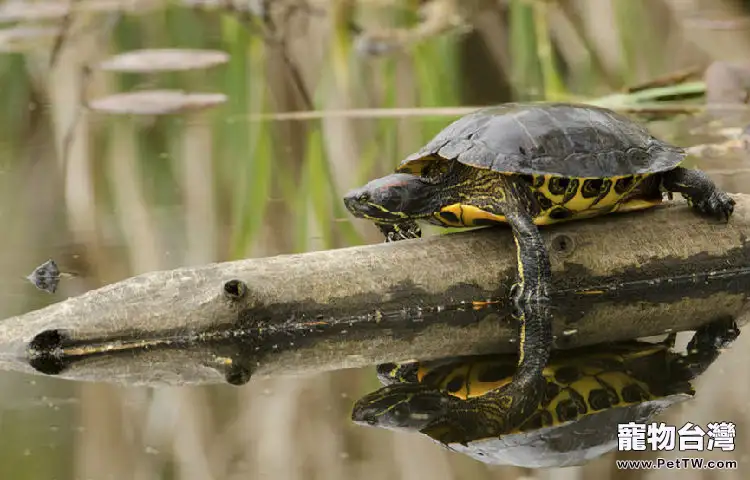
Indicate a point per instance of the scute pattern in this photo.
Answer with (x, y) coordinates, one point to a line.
(553, 139)
(573, 390)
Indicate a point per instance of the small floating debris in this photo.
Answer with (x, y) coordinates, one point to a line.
(165, 59)
(46, 276)
(156, 102)
(569, 332)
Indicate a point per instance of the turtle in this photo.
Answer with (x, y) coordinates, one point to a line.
(588, 392)
(528, 165)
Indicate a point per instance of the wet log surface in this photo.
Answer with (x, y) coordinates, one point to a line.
(617, 277)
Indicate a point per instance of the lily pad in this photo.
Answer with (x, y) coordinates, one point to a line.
(156, 102)
(165, 59)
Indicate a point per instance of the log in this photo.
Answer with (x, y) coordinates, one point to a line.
(617, 277)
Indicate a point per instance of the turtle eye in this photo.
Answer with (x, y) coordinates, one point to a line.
(363, 197)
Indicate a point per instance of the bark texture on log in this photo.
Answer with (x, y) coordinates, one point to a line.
(616, 277)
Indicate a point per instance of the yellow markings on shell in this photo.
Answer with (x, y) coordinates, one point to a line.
(466, 215)
(545, 219)
(593, 376)
(462, 215)
(637, 204)
(583, 386)
(620, 380)
(470, 374)
(462, 371)
(563, 395)
(418, 165)
(482, 388)
(582, 207)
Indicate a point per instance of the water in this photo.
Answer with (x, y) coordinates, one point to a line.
(110, 197)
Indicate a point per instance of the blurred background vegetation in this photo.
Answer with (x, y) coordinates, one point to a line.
(320, 96)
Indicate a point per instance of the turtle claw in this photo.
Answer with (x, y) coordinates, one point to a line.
(717, 204)
(396, 236)
(716, 335)
(399, 231)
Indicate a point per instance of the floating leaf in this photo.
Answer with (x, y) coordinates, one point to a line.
(19, 39)
(46, 276)
(156, 102)
(166, 59)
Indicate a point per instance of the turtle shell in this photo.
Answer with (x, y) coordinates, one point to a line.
(569, 444)
(621, 375)
(586, 397)
(560, 139)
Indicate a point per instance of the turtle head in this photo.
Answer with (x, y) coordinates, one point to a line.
(393, 373)
(393, 199)
(446, 418)
(403, 406)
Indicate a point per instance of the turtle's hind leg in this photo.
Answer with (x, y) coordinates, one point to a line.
(394, 232)
(700, 192)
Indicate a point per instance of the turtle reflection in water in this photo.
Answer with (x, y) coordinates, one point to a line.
(588, 392)
(528, 165)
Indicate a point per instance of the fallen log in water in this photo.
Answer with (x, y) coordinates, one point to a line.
(616, 277)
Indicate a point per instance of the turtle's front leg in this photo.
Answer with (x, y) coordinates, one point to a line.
(394, 232)
(700, 192)
(531, 295)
